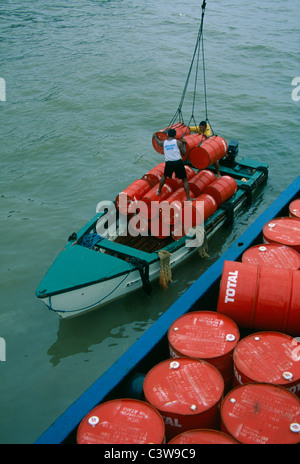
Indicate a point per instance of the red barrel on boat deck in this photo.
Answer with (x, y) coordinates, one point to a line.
(178, 231)
(283, 230)
(201, 180)
(206, 335)
(261, 414)
(181, 130)
(187, 393)
(222, 189)
(176, 183)
(268, 357)
(203, 437)
(294, 208)
(261, 297)
(138, 225)
(172, 206)
(197, 211)
(148, 205)
(272, 254)
(209, 151)
(158, 228)
(127, 200)
(122, 421)
(190, 173)
(154, 175)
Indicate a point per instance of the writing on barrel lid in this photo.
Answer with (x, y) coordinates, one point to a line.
(283, 230)
(203, 334)
(122, 421)
(270, 357)
(272, 254)
(261, 414)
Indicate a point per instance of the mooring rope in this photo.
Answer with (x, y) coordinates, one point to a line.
(201, 239)
(165, 275)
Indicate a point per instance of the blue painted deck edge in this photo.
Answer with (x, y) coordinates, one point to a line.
(70, 419)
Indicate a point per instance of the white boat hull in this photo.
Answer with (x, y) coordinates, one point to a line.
(81, 300)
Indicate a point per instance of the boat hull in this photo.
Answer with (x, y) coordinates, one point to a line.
(77, 301)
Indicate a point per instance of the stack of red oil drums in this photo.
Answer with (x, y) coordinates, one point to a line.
(170, 214)
(232, 375)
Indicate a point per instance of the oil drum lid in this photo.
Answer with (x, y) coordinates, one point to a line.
(203, 334)
(294, 208)
(183, 386)
(203, 437)
(283, 230)
(262, 414)
(270, 357)
(122, 421)
(272, 254)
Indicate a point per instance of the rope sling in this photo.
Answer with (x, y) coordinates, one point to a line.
(198, 53)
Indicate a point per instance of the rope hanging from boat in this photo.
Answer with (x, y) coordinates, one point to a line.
(198, 47)
(165, 275)
(201, 240)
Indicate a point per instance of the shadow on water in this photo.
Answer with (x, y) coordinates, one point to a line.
(116, 324)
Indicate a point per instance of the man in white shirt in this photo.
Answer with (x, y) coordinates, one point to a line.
(174, 164)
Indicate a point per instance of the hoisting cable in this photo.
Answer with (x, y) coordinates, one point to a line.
(205, 93)
(197, 49)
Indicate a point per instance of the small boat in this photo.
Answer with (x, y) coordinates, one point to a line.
(109, 257)
(124, 379)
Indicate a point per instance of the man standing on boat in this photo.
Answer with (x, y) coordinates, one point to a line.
(174, 164)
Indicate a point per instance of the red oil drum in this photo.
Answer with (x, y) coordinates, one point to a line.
(174, 181)
(197, 211)
(272, 254)
(178, 231)
(294, 208)
(203, 437)
(209, 151)
(122, 421)
(268, 357)
(148, 205)
(200, 181)
(206, 335)
(138, 225)
(154, 175)
(158, 228)
(261, 414)
(190, 173)
(192, 141)
(222, 189)
(171, 207)
(181, 131)
(187, 393)
(283, 230)
(127, 200)
(261, 297)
